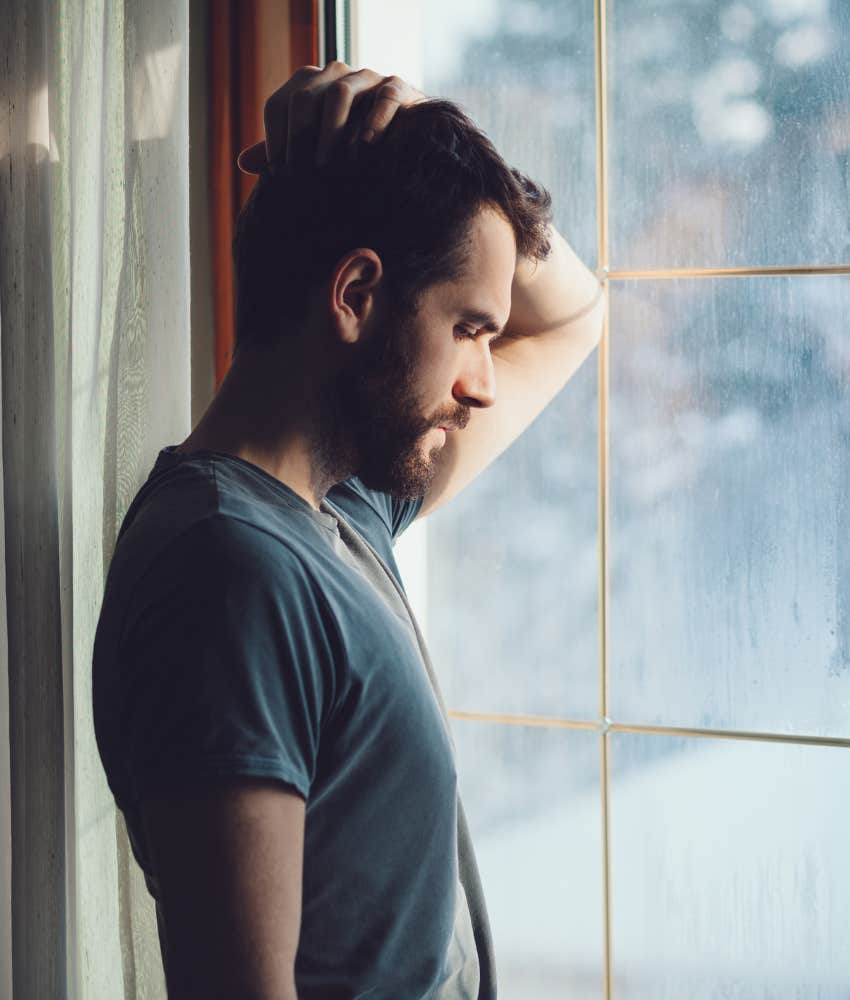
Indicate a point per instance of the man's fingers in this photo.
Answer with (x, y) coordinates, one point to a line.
(276, 110)
(303, 112)
(302, 117)
(392, 94)
(338, 100)
(314, 106)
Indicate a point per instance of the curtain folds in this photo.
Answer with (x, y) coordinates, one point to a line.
(94, 327)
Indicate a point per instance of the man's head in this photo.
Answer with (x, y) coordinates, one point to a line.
(409, 373)
(410, 197)
(383, 251)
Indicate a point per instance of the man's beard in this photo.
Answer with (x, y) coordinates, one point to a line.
(374, 423)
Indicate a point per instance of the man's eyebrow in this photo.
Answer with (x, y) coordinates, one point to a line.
(483, 320)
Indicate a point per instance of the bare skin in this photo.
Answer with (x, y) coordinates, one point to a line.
(317, 407)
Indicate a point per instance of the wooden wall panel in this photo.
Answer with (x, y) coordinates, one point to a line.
(254, 46)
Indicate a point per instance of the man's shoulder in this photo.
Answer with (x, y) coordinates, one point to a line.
(190, 531)
(373, 510)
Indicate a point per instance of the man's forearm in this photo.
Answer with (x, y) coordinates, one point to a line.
(553, 297)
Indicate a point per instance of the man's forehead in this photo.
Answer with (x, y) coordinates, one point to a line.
(482, 294)
(492, 239)
(486, 287)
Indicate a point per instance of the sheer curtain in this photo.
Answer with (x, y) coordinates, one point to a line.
(94, 324)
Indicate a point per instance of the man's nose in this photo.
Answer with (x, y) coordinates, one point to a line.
(476, 385)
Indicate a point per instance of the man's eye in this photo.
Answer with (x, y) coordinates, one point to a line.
(465, 333)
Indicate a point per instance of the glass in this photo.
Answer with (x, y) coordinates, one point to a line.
(523, 71)
(513, 571)
(729, 869)
(728, 145)
(531, 796)
(505, 579)
(730, 515)
(729, 133)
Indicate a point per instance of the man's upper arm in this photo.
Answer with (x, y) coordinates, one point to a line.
(228, 857)
(530, 372)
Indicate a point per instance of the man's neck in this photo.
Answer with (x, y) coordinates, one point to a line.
(258, 418)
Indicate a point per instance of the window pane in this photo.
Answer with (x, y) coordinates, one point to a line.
(513, 561)
(523, 71)
(532, 799)
(729, 129)
(730, 875)
(510, 601)
(730, 516)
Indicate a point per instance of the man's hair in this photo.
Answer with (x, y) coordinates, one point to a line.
(410, 196)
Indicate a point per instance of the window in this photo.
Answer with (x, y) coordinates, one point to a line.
(650, 679)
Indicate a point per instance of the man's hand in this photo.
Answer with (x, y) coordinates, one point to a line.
(315, 99)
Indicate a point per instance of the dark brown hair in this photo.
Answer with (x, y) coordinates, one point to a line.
(410, 197)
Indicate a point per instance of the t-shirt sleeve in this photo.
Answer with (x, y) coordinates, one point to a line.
(397, 515)
(230, 657)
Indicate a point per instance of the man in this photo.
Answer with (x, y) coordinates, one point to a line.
(264, 704)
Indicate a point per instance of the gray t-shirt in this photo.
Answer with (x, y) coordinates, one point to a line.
(242, 632)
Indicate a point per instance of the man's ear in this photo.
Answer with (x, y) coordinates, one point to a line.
(354, 287)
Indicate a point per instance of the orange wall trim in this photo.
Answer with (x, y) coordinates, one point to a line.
(304, 33)
(254, 46)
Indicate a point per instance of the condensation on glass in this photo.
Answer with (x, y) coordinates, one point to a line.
(532, 798)
(729, 133)
(525, 535)
(729, 870)
(728, 145)
(730, 503)
(513, 582)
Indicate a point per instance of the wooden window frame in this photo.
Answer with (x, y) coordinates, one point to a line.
(254, 46)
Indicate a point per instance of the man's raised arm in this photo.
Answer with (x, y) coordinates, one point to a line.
(557, 308)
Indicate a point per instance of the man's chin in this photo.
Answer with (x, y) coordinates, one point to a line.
(407, 479)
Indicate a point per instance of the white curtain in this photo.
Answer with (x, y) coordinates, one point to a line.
(94, 324)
